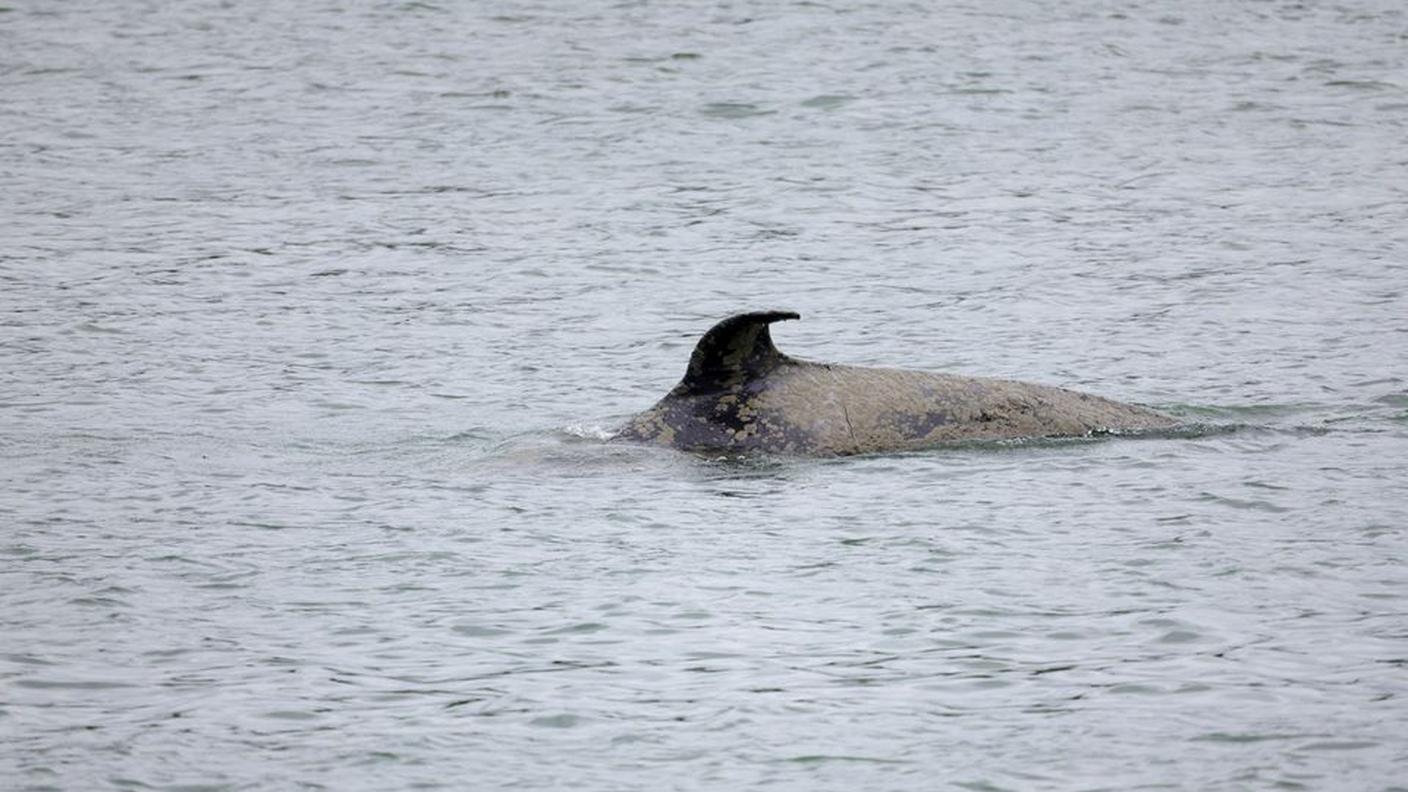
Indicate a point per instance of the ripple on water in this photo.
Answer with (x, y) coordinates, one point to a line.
(317, 325)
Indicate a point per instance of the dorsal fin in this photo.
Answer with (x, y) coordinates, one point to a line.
(736, 349)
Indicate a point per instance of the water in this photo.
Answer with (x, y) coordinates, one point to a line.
(315, 317)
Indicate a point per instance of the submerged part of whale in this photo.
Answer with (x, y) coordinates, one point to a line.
(741, 394)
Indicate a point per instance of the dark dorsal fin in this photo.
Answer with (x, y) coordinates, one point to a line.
(734, 350)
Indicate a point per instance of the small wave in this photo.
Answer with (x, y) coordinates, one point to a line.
(1191, 430)
(1242, 411)
(589, 431)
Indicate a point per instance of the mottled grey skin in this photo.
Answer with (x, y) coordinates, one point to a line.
(740, 394)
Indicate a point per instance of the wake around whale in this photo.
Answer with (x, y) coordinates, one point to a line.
(740, 394)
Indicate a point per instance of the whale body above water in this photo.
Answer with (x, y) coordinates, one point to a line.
(740, 394)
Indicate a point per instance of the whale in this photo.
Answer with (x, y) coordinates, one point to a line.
(741, 395)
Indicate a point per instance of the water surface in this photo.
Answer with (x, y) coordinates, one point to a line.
(316, 316)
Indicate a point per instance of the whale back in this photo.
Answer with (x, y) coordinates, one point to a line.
(741, 394)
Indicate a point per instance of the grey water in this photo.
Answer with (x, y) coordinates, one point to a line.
(316, 319)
